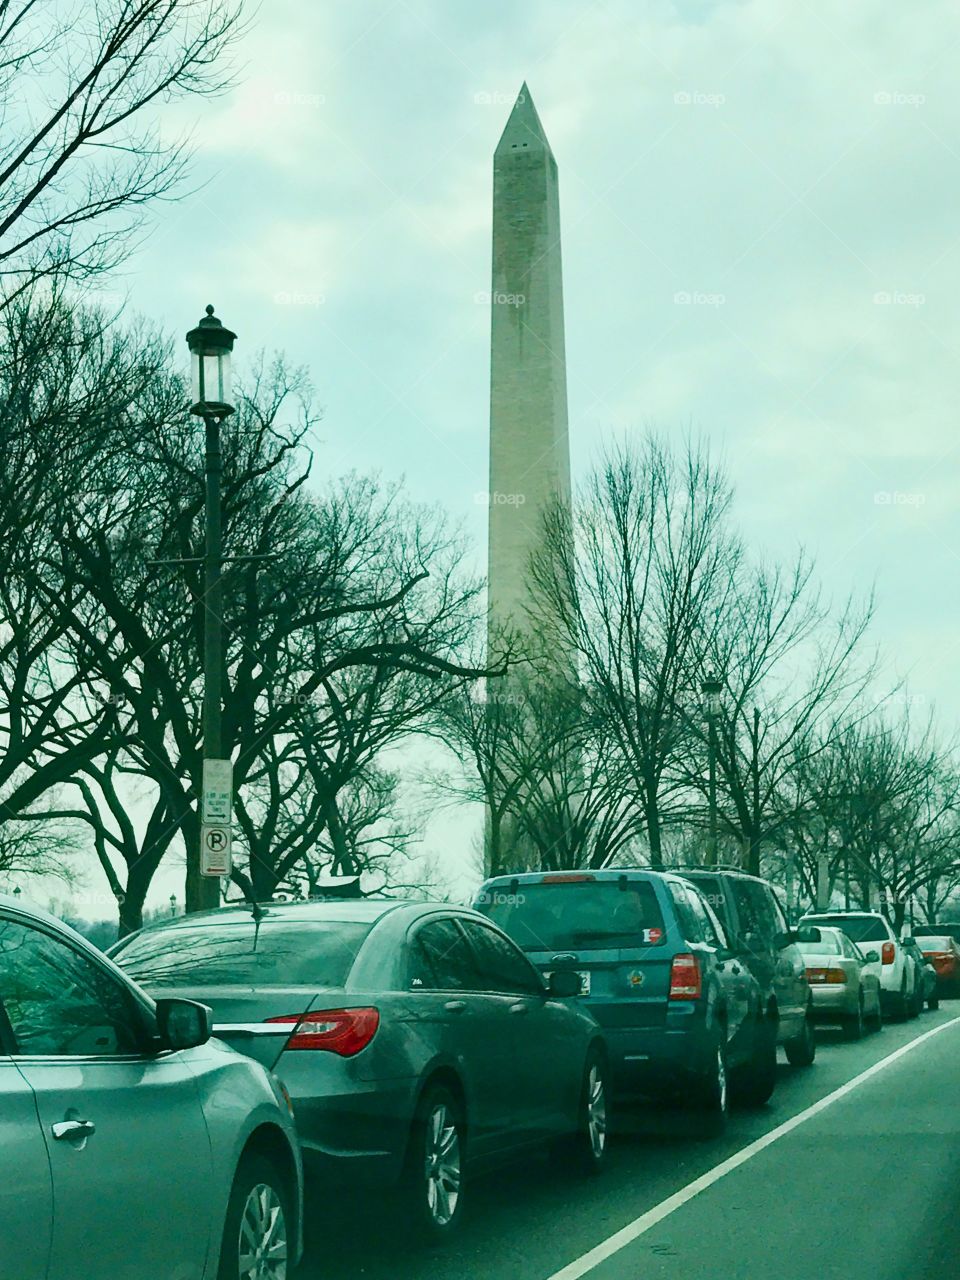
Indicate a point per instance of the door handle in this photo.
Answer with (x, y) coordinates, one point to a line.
(73, 1129)
(519, 1009)
(455, 1006)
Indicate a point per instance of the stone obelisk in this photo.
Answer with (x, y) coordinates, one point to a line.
(529, 448)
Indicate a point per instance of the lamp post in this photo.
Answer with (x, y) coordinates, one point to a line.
(210, 346)
(711, 688)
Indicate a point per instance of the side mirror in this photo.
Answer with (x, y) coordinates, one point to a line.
(564, 983)
(908, 942)
(872, 957)
(183, 1024)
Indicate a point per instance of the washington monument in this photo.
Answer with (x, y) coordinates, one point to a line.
(529, 448)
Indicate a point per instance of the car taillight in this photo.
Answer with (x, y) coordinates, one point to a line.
(888, 953)
(820, 975)
(341, 1031)
(685, 979)
(566, 877)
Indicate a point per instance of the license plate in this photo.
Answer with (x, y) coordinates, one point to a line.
(585, 982)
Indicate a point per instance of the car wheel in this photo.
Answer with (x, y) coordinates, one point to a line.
(876, 1021)
(754, 1082)
(853, 1027)
(587, 1148)
(933, 1001)
(802, 1049)
(903, 1002)
(713, 1101)
(256, 1236)
(431, 1190)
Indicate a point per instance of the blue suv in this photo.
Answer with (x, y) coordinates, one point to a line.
(680, 1010)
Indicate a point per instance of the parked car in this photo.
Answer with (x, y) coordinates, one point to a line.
(943, 952)
(948, 929)
(131, 1144)
(927, 991)
(416, 1040)
(678, 1007)
(754, 919)
(845, 981)
(899, 978)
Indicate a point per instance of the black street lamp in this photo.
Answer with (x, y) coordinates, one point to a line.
(712, 688)
(211, 345)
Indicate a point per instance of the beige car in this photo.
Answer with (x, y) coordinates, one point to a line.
(844, 979)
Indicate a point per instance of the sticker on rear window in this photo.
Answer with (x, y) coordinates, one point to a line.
(652, 935)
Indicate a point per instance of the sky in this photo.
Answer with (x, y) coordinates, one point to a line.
(760, 211)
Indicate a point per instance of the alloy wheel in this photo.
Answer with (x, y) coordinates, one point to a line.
(596, 1111)
(442, 1164)
(263, 1236)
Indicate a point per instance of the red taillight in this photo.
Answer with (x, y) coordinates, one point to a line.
(819, 976)
(341, 1031)
(575, 877)
(888, 953)
(685, 979)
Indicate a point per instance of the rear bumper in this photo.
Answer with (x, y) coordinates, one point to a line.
(659, 1061)
(834, 1000)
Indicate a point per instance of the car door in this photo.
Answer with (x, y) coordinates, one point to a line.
(26, 1188)
(547, 1061)
(869, 970)
(737, 983)
(472, 1028)
(126, 1139)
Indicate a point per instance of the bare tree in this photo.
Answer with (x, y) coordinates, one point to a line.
(82, 153)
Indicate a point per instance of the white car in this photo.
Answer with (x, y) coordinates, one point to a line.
(872, 931)
(131, 1144)
(844, 980)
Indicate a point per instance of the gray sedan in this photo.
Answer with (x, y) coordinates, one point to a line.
(131, 1145)
(416, 1039)
(844, 980)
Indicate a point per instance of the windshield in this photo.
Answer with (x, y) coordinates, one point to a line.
(857, 928)
(597, 913)
(274, 954)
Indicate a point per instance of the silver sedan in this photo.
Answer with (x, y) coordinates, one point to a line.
(132, 1146)
(844, 979)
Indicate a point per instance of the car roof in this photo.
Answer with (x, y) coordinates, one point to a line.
(348, 910)
(602, 873)
(718, 871)
(821, 915)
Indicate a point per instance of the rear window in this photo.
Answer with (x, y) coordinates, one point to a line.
(857, 928)
(274, 954)
(593, 913)
(827, 946)
(931, 943)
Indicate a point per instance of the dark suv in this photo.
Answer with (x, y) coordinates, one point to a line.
(676, 1002)
(755, 923)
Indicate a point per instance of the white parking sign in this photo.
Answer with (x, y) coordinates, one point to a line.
(215, 849)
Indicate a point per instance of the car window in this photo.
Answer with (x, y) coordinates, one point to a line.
(577, 915)
(858, 928)
(60, 1002)
(764, 910)
(687, 918)
(245, 953)
(445, 960)
(710, 928)
(710, 888)
(746, 908)
(501, 965)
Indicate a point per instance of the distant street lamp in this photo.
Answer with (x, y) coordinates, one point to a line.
(173, 904)
(712, 688)
(16, 893)
(210, 346)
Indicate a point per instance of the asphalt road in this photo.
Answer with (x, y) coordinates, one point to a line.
(812, 1187)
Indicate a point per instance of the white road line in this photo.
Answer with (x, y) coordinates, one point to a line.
(633, 1230)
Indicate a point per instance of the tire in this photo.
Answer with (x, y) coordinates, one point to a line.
(853, 1026)
(260, 1206)
(431, 1189)
(586, 1149)
(802, 1049)
(754, 1082)
(712, 1095)
(876, 1021)
(933, 1000)
(903, 1003)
